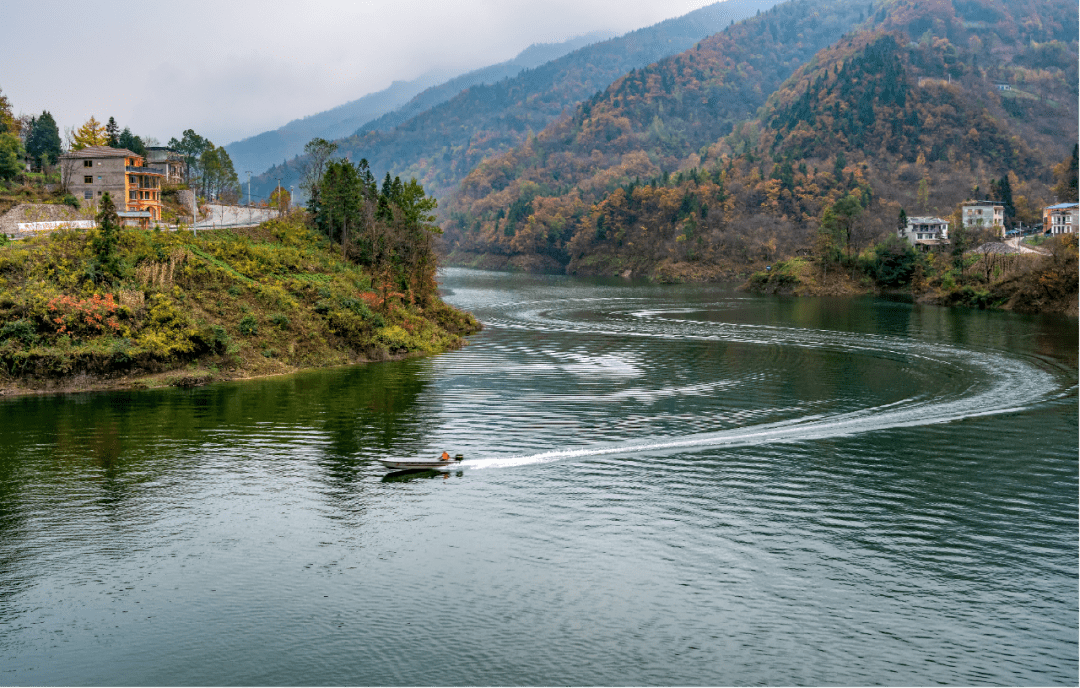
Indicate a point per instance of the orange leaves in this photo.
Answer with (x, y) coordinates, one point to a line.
(93, 315)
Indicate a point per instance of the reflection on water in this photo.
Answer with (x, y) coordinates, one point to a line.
(662, 484)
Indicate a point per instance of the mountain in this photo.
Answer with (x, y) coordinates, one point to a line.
(395, 103)
(667, 171)
(439, 146)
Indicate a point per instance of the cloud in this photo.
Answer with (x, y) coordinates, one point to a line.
(231, 70)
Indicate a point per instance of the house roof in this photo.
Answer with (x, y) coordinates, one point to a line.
(927, 221)
(101, 152)
(1062, 206)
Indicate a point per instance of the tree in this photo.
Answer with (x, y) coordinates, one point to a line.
(106, 264)
(191, 146)
(218, 180)
(91, 133)
(318, 151)
(43, 141)
(1065, 173)
(901, 221)
(11, 156)
(131, 142)
(280, 198)
(8, 123)
(112, 133)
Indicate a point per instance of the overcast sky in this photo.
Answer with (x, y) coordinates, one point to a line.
(230, 70)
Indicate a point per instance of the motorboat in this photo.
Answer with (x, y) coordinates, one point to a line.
(422, 464)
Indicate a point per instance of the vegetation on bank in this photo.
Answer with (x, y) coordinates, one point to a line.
(116, 303)
(1024, 282)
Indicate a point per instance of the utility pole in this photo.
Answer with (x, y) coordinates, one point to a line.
(249, 187)
(278, 189)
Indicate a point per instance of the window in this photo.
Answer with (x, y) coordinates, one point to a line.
(131, 177)
(131, 195)
(88, 179)
(88, 195)
(87, 163)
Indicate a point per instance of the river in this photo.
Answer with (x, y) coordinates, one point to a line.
(662, 485)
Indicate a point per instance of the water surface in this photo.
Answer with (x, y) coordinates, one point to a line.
(663, 485)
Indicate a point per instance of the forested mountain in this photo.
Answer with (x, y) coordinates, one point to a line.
(441, 145)
(908, 109)
(382, 109)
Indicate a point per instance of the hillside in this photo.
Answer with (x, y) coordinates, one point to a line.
(904, 111)
(441, 145)
(383, 109)
(185, 310)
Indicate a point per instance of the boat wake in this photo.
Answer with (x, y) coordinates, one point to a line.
(990, 383)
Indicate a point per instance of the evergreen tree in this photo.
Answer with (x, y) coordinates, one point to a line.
(131, 142)
(112, 133)
(901, 221)
(43, 141)
(106, 264)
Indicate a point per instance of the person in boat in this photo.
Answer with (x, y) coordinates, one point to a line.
(444, 457)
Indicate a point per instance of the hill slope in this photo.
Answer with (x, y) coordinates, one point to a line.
(441, 145)
(382, 109)
(637, 179)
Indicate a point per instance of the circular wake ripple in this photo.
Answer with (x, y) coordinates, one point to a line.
(1001, 384)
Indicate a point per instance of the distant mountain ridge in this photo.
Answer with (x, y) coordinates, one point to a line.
(442, 144)
(380, 109)
(716, 158)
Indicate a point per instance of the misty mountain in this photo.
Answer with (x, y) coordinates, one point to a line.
(384, 109)
(442, 144)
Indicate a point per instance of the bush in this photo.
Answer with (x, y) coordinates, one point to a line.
(248, 326)
(70, 199)
(894, 262)
(280, 321)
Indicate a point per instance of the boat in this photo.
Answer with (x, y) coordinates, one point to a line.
(422, 464)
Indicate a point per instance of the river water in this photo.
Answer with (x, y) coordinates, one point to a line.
(662, 485)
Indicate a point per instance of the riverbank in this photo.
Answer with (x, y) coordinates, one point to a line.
(185, 310)
(1020, 282)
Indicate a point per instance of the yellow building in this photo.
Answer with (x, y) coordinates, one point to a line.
(90, 173)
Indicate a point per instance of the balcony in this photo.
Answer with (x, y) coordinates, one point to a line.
(143, 170)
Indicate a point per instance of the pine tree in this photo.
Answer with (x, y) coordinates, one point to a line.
(106, 259)
(43, 141)
(112, 133)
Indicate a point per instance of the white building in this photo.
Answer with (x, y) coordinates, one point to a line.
(984, 215)
(925, 232)
(1060, 218)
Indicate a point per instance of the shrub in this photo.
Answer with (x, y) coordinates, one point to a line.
(280, 321)
(248, 326)
(894, 262)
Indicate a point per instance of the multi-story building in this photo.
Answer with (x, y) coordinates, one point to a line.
(925, 232)
(168, 162)
(984, 215)
(1060, 218)
(92, 172)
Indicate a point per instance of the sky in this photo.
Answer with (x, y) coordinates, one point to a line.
(230, 70)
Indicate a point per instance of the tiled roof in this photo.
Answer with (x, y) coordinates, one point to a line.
(101, 152)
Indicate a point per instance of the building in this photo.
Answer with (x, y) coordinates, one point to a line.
(984, 215)
(925, 232)
(1060, 218)
(168, 162)
(92, 172)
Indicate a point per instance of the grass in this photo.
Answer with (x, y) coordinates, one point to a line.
(272, 299)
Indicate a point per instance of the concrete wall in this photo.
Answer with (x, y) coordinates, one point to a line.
(39, 212)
